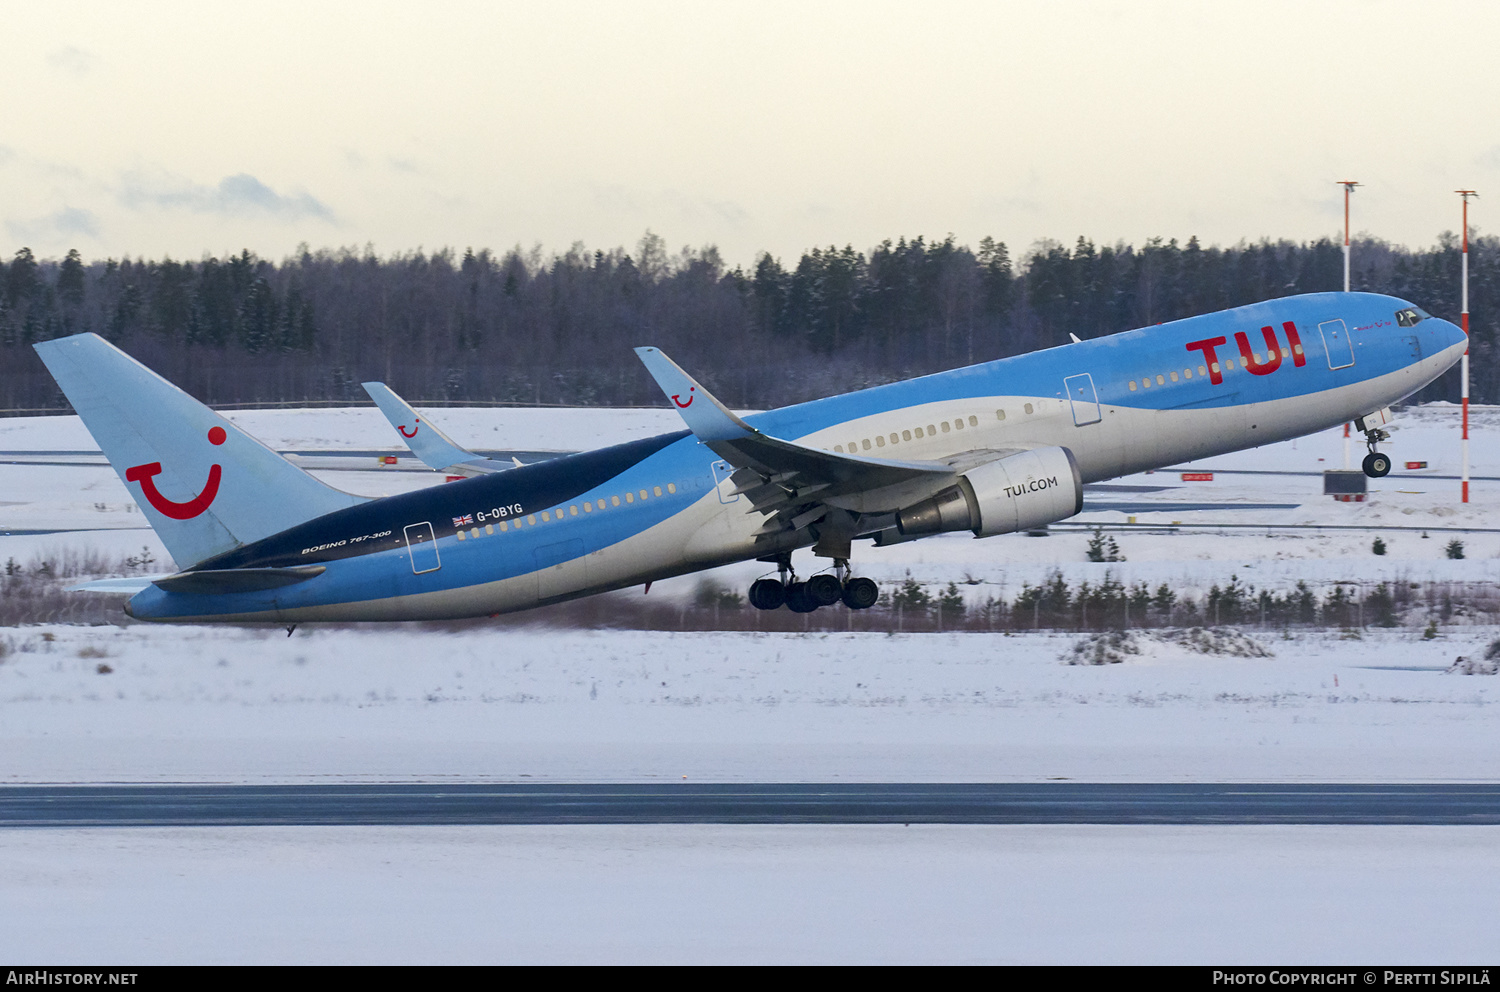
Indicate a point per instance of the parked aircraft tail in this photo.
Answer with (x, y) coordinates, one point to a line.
(206, 486)
(436, 450)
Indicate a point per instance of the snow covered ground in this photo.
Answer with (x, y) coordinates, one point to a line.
(888, 894)
(508, 702)
(233, 705)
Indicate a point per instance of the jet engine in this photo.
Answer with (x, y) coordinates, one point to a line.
(1018, 492)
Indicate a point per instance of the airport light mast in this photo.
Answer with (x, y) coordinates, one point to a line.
(1464, 316)
(1348, 185)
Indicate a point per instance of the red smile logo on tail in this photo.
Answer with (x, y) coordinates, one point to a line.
(677, 398)
(416, 425)
(144, 474)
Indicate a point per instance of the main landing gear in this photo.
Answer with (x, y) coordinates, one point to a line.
(823, 589)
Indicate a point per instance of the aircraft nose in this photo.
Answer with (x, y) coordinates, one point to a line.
(1447, 333)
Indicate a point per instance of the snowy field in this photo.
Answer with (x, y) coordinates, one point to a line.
(514, 703)
(181, 704)
(688, 894)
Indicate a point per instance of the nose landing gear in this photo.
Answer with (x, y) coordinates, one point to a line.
(823, 589)
(1376, 465)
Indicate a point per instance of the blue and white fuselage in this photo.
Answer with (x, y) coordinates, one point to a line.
(882, 462)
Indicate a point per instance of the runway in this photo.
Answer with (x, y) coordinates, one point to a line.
(1023, 803)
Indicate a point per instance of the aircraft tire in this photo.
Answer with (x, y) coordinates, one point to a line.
(1377, 465)
(861, 593)
(797, 599)
(767, 594)
(824, 589)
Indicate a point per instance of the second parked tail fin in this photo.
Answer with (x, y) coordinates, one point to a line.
(436, 449)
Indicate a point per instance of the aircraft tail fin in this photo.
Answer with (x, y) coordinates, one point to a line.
(204, 485)
(436, 450)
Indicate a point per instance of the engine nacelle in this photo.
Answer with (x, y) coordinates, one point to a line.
(1018, 492)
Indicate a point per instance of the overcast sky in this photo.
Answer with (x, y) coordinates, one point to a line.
(184, 128)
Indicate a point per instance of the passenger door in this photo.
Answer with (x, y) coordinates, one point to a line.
(1085, 400)
(1337, 343)
(561, 568)
(422, 546)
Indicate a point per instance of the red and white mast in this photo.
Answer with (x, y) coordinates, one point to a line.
(1348, 185)
(1466, 193)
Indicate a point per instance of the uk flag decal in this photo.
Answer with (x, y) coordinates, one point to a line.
(463, 521)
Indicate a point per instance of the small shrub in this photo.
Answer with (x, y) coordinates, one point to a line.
(1109, 648)
(1455, 549)
(951, 602)
(1431, 632)
(911, 595)
(1378, 547)
(712, 593)
(102, 669)
(1103, 548)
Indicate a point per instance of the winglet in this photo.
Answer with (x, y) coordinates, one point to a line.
(428, 443)
(705, 416)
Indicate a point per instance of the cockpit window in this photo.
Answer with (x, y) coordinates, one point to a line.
(1411, 316)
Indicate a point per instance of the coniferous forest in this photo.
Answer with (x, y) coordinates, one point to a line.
(530, 327)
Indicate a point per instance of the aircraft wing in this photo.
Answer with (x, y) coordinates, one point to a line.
(777, 475)
(436, 450)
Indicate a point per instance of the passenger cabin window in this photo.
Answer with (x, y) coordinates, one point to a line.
(1029, 408)
(906, 435)
(973, 420)
(999, 414)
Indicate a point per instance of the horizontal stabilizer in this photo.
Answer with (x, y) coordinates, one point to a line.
(226, 580)
(126, 586)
